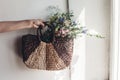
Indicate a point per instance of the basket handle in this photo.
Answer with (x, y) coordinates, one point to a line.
(39, 32)
(40, 35)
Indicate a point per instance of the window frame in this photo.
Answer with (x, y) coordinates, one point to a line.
(114, 42)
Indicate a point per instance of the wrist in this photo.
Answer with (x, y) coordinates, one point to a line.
(29, 23)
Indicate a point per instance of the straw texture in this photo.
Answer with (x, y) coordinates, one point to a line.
(47, 56)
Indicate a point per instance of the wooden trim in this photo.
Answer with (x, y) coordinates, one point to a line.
(114, 41)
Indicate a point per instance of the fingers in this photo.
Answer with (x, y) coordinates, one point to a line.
(35, 26)
(37, 23)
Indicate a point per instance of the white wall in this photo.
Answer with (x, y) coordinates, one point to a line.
(79, 58)
(12, 67)
(98, 18)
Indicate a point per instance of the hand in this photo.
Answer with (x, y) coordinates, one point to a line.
(23, 24)
(35, 23)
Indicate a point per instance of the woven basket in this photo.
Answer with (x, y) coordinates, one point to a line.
(38, 54)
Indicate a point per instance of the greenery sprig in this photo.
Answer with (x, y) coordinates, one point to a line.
(65, 26)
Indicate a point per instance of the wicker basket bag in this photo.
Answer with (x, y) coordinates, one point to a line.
(46, 52)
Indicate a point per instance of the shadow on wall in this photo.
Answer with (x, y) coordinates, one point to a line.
(18, 46)
(18, 51)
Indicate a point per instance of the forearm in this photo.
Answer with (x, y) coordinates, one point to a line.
(6, 26)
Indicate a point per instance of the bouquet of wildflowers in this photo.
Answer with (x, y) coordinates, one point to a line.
(65, 26)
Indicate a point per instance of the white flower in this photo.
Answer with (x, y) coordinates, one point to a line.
(92, 32)
(67, 23)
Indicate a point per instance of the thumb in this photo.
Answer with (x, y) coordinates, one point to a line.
(35, 26)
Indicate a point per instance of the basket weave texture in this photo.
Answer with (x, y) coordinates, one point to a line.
(47, 56)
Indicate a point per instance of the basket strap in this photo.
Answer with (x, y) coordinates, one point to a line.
(39, 33)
